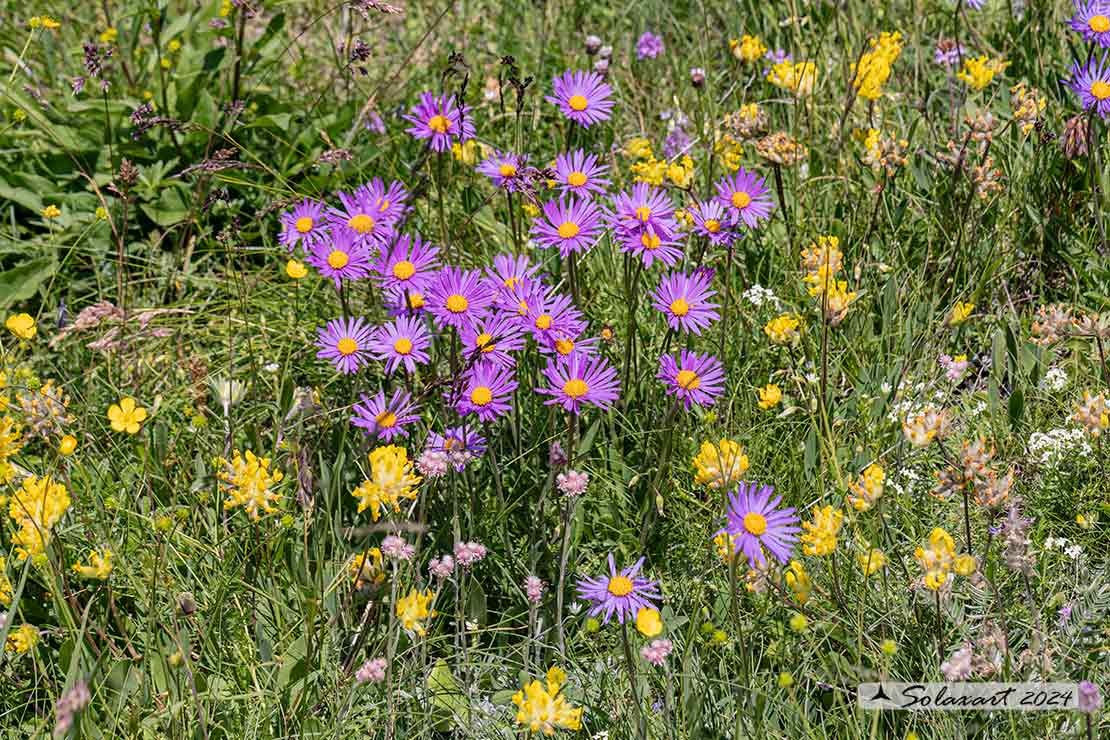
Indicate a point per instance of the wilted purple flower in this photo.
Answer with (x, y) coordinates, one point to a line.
(572, 483)
(556, 457)
(533, 589)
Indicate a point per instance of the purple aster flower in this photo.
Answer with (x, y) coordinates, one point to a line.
(508, 270)
(565, 345)
(684, 300)
(693, 378)
(646, 208)
(773, 57)
(461, 444)
(360, 217)
(649, 46)
(580, 380)
(573, 226)
(406, 265)
(487, 391)
(677, 143)
(622, 592)
(457, 297)
(387, 201)
(714, 222)
(580, 173)
(407, 303)
(1091, 82)
(345, 343)
(440, 120)
(752, 521)
(583, 97)
(504, 169)
(1092, 21)
(304, 224)
(491, 339)
(746, 197)
(385, 420)
(404, 341)
(342, 257)
(549, 313)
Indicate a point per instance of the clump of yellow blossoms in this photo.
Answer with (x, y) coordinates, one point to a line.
(820, 533)
(822, 261)
(638, 148)
(6, 591)
(884, 153)
(22, 325)
(921, 429)
(367, 568)
(871, 560)
(1093, 413)
(770, 396)
(729, 151)
(797, 580)
(247, 479)
(99, 566)
(23, 639)
(978, 72)
(11, 442)
(391, 480)
(656, 171)
(749, 49)
(960, 312)
(867, 490)
(1027, 104)
(720, 465)
(44, 21)
(783, 329)
(413, 609)
(796, 77)
(126, 416)
(873, 70)
(541, 707)
(938, 559)
(35, 508)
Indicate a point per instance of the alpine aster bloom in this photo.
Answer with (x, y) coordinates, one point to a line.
(508, 270)
(693, 378)
(713, 222)
(340, 258)
(580, 173)
(580, 380)
(549, 315)
(440, 120)
(304, 224)
(504, 169)
(387, 201)
(754, 522)
(622, 593)
(1091, 82)
(684, 300)
(360, 218)
(649, 46)
(583, 97)
(461, 444)
(487, 391)
(457, 297)
(345, 343)
(1092, 21)
(386, 420)
(565, 345)
(406, 265)
(404, 341)
(491, 339)
(746, 197)
(572, 226)
(645, 208)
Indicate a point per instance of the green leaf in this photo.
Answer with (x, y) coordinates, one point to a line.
(448, 702)
(1016, 407)
(21, 282)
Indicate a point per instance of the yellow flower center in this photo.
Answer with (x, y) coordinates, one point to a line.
(416, 300)
(507, 170)
(386, 419)
(1100, 89)
(575, 388)
(564, 346)
(481, 395)
(304, 224)
(402, 346)
(439, 124)
(679, 307)
(651, 241)
(578, 102)
(347, 346)
(643, 213)
(620, 586)
(688, 379)
(712, 225)
(755, 523)
(485, 342)
(403, 270)
(337, 260)
(362, 223)
(457, 304)
(522, 308)
(543, 321)
(510, 282)
(576, 179)
(383, 206)
(1099, 23)
(741, 200)
(568, 230)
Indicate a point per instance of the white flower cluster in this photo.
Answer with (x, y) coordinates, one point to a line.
(757, 295)
(1055, 380)
(1056, 445)
(1072, 551)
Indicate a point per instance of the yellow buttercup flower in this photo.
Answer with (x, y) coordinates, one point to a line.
(35, 508)
(67, 445)
(23, 639)
(770, 396)
(126, 416)
(542, 708)
(99, 566)
(720, 465)
(648, 622)
(413, 609)
(248, 482)
(820, 532)
(22, 325)
(295, 269)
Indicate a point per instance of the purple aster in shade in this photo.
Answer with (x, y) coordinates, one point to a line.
(504, 169)
(486, 391)
(440, 120)
(580, 380)
(387, 202)
(457, 297)
(753, 522)
(684, 300)
(622, 593)
(1091, 82)
(341, 257)
(345, 343)
(403, 341)
(549, 313)
(461, 444)
(491, 339)
(583, 97)
(580, 173)
(360, 217)
(1092, 21)
(649, 46)
(745, 196)
(693, 378)
(712, 221)
(385, 420)
(304, 224)
(573, 226)
(407, 264)
(677, 143)
(508, 270)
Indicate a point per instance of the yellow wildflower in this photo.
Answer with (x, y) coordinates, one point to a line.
(729, 151)
(295, 269)
(109, 35)
(797, 77)
(937, 558)
(873, 69)
(35, 508)
(466, 152)
(391, 480)
(11, 442)
(798, 581)
(681, 173)
(783, 329)
(720, 465)
(366, 568)
(650, 170)
(867, 490)
(542, 707)
(648, 622)
(99, 567)
(960, 312)
(871, 560)
(247, 480)
(22, 325)
(126, 416)
(413, 609)
(748, 49)
(770, 396)
(820, 533)
(6, 591)
(23, 639)
(978, 72)
(51, 212)
(638, 148)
